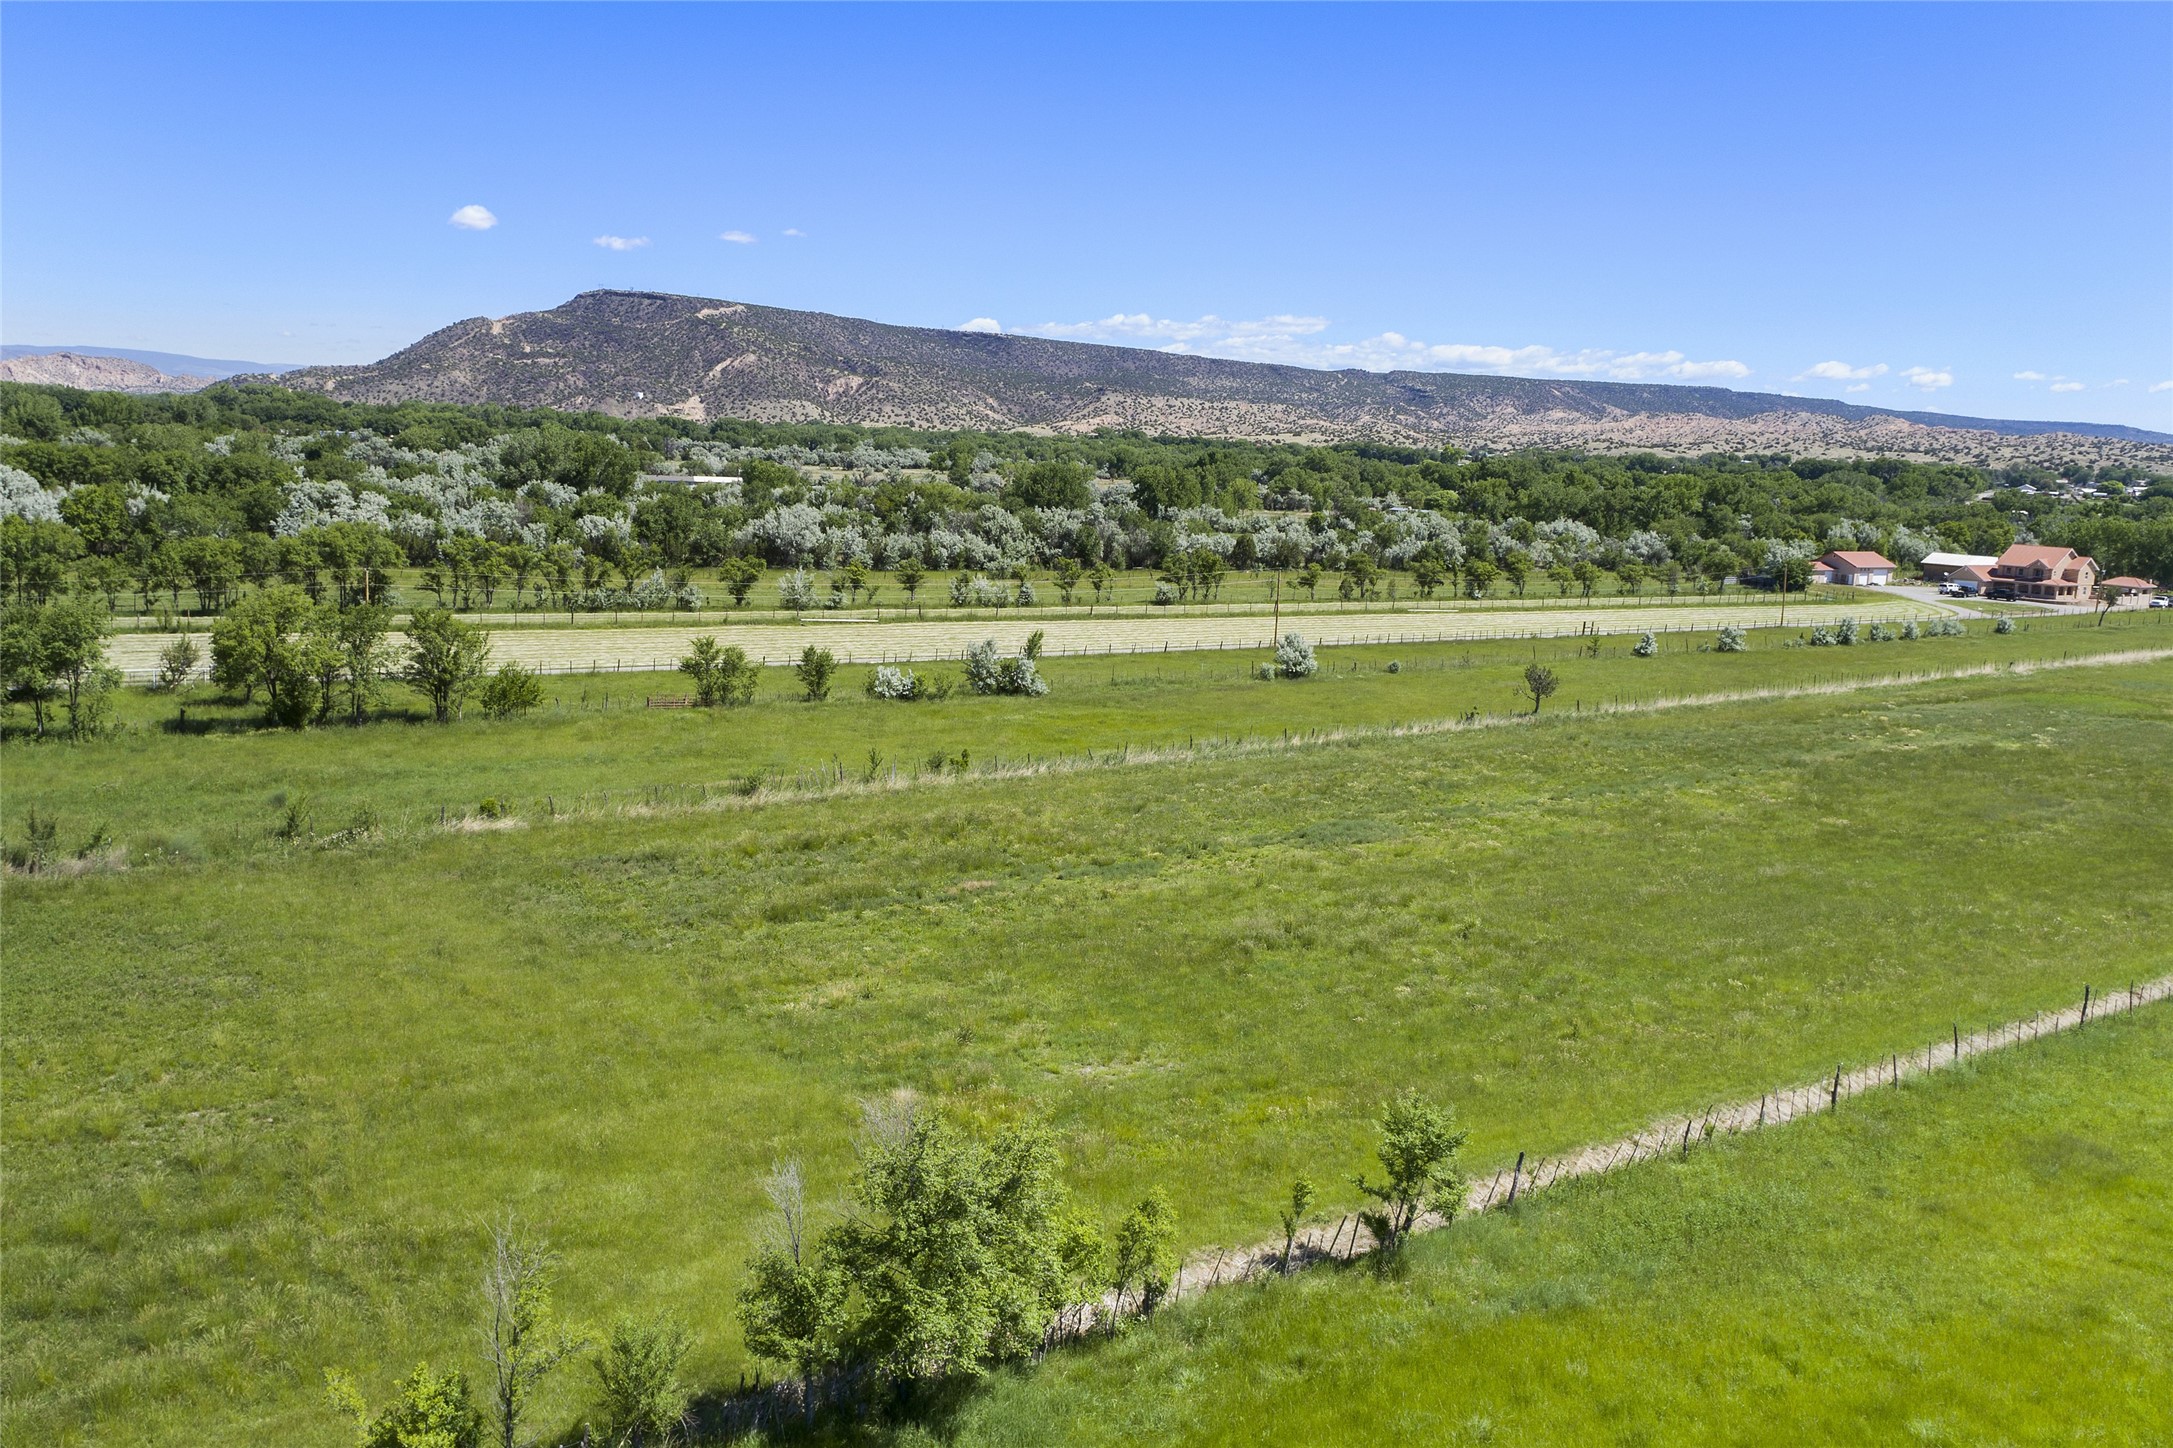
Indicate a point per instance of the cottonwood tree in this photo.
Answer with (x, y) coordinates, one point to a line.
(1418, 1150)
(722, 676)
(446, 659)
(523, 1340)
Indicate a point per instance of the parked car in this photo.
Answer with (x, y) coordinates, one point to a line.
(2161, 601)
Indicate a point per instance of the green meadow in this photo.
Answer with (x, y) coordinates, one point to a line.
(1985, 1256)
(257, 1109)
(222, 786)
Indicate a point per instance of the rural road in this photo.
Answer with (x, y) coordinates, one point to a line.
(568, 651)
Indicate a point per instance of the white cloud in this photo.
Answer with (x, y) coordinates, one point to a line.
(1857, 387)
(472, 218)
(1293, 340)
(621, 243)
(2030, 377)
(740, 238)
(1928, 378)
(2118, 382)
(2067, 387)
(1842, 372)
(2165, 386)
(981, 324)
(794, 231)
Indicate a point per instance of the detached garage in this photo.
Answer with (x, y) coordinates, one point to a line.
(1862, 570)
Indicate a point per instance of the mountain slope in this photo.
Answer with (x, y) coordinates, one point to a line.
(647, 353)
(95, 374)
(173, 364)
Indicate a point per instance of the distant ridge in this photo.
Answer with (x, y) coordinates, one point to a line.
(96, 374)
(649, 354)
(174, 364)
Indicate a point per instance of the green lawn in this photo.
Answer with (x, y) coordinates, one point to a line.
(167, 796)
(1983, 1257)
(255, 1113)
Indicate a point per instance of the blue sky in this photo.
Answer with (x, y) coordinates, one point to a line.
(1950, 207)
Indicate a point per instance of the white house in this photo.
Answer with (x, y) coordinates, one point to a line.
(1940, 567)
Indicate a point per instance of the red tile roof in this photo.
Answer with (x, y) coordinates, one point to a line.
(2022, 555)
(1858, 561)
(2128, 581)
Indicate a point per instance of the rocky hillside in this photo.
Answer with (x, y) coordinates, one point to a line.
(96, 374)
(646, 353)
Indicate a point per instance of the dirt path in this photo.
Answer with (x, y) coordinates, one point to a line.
(1347, 1237)
(568, 651)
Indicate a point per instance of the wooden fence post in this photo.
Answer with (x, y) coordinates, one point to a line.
(1513, 1179)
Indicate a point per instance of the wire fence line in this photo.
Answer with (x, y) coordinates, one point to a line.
(547, 652)
(1347, 1237)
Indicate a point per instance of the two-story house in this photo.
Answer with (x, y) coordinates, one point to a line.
(2044, 574)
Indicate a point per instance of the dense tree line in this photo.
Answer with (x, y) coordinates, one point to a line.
(137, 498)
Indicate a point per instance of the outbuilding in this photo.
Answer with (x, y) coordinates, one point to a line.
(1859, 569)
(1942, 567)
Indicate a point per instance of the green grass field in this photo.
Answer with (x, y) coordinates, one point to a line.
(168, 796)
(257, 1111)
(1983, 1257)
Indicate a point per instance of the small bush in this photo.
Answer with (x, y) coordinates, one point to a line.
(1395, 666)
(888, 682)
(2005, 624)
(637, 1377)
(815, 669)
(1881, 633)
(1909, 630)
(987, 673)
(1846, 632)
(1646, 646)
(796, 592)
(1267, 670)
(493, 808)
(1165, 594)
(1732, 640)
(511, 692)
(1294, 658)
(1822, 637)
(1027, 597)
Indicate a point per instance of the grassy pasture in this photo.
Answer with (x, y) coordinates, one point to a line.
(173, 796)
(1984, 1257)
(255, 1113)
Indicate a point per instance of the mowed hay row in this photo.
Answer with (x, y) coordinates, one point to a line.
(575, 650)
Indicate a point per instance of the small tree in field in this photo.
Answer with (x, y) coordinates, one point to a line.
(446, 659)
(2105, 595)
(511, 692)
(1294, 657)
(815, 669)
(792, 1308)
(430, 1412)
(1646, 645)
(1068, 574)
(1734, 641)
(1540, 684)
(177, 663)
(522, 1337)
(721, 675)
(1295, 1212)
(637, 1376)
(1418, 1150)
(909, 574)
(1145, 1250)
(739, 577)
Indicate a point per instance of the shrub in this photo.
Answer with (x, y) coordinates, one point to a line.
(637, 1376)
(1027, 596)
(1846, 632)
(961, 591)
(796, 591)
(1881, 633)
(893, 683)
(1267, 670)
(511, 692)
(1821, 637)
(1395, 666)
(814, 670)
(493, 808)
(1294, 657)
(987, 673)
(1418, 1150)
(720, 675)
(2004, 624)
(177, 664)
(430, 1410)
(1909, 630)
(1165, 594)
(1646, 646)
(1732, 640)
